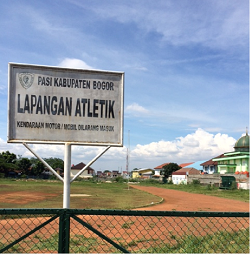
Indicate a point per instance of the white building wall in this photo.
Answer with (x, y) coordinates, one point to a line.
(157, 172)
(177, 179)
(83, 175)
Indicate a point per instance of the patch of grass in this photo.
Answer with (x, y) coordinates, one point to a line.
(220, 242)
(128, 224)
(82, 244)
(78, 244)
(46, 244)
(16, 249)
(132, 243)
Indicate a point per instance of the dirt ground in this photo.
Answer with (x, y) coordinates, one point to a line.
(24, 197)
(175, 200)
(143, 232)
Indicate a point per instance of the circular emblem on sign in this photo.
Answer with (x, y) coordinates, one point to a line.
(26, 79)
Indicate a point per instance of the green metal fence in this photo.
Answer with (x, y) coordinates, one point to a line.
(116, 231)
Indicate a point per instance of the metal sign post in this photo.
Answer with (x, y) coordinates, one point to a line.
(52, 105)
(67, 166)
(66, 182)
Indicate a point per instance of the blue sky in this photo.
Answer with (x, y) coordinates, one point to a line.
(186, 67)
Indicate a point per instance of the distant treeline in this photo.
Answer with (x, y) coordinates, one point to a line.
(12, 165)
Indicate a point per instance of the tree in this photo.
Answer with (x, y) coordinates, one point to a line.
(7, 162)
(24, 165)
(168, 169)
(32, 166)
(7, 167)
(55, 162)
(37, 168)
(8, 157)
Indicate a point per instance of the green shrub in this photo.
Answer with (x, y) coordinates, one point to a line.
(134, 180)
(196, 182)
(94, 179)
(151, 181)
(233, 186)
(210, 187)
(119, 179)
(52, 177)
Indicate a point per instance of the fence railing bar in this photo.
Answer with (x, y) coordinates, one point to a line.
(28, 234)
(124, 212)
(158, 213)
(42, 211)
(100, 234)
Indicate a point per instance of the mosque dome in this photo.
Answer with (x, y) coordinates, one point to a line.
(242, 144)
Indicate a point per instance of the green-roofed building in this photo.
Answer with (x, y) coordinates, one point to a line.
(237, 161)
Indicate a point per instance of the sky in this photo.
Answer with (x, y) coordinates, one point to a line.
(186, 65)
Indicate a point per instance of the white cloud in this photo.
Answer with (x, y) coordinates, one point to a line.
(135, 109)
(199, 145)
(74, 63)
(17, 149)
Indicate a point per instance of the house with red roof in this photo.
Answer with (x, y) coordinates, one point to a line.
(181, 175)
(87, 173)
(210, 166)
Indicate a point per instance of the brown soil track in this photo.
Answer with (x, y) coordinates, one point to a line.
(174, 200)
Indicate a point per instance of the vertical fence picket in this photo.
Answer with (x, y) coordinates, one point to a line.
(64, 232)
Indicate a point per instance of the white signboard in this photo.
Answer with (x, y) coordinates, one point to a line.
(58, 105)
